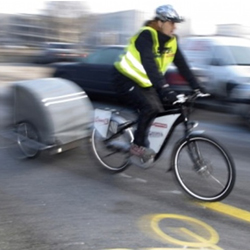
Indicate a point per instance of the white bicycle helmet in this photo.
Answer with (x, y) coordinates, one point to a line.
(168, 13)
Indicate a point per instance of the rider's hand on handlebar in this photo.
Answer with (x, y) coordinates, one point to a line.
(168, 96)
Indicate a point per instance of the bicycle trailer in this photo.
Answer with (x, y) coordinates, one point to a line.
(50, 113)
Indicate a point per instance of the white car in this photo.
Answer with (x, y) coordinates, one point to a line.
(224, 67)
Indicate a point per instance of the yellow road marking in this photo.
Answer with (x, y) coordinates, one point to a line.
(202, 242)
(228, 210)
(205, 244)
(159, 248)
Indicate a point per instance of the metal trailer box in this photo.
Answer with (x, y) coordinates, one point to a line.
(58, 109)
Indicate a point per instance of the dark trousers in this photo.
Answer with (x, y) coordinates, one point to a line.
(145, 101)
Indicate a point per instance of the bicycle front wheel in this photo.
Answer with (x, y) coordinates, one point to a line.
(203, 168)
(113, 154)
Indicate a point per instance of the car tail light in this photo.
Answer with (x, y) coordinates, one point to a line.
(175, 79)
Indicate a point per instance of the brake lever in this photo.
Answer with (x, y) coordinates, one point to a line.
(181, 99)
(203, 94)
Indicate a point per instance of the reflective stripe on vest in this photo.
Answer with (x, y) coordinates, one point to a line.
(130, 63)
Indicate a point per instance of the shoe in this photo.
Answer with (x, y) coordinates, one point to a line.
(141, 156)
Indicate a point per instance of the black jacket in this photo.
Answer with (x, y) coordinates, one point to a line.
(144, 44)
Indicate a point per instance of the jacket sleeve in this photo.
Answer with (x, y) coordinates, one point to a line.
(144, 45)
(184, 69)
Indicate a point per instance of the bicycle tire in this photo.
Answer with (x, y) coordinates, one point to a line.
(210, 175)
(115, 159)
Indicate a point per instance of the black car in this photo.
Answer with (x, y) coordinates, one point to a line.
(94, 73)
(59, 52)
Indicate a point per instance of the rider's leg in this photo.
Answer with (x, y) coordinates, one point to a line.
(149, 105)
(147, 102)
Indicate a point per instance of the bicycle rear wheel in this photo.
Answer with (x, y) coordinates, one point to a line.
(113, 154)
(203, 168)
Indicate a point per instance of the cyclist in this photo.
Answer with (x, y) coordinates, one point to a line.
(139, 74)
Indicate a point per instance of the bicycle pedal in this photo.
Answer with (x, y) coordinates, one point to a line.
(137, 161)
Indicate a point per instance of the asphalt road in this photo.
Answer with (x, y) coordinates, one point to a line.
(68, 202)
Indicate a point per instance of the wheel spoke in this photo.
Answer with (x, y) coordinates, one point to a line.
(217, 181)
(27, 139)
(214, 179)
(113, 154)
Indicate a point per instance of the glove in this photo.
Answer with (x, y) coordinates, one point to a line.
(168, 96)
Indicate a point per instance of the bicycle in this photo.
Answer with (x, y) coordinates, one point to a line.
(202, 166)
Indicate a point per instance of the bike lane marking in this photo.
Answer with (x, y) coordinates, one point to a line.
(227, 210)
(200, 241)
(158, 248)
(199, 234)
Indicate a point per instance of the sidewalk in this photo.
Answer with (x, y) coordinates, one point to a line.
(10, 73)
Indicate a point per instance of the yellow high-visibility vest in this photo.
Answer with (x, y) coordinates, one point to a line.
(130, 62)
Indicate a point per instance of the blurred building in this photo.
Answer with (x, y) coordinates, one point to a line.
(34, 30)
(90, 30)
(118, 27)
(4, 34)
(233, 30)
(25, 29)
(114, 28)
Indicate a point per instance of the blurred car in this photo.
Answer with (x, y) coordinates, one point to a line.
(223, 64)
(59, 52)
(94, 73)
(177, 81)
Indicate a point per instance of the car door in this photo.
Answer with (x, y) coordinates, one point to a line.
(219, 68)
(198, 54)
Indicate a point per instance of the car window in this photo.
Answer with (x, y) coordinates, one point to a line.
(241, 54)
(221, 56)
(197, 52)
(104, 56)
(232, 55)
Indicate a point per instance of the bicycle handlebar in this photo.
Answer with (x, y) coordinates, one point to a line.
(184, 98)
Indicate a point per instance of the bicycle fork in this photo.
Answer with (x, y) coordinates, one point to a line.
(200, 165)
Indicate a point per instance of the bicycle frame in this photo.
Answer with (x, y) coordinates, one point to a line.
(191, 153)
(161, 128)
(180, 116)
